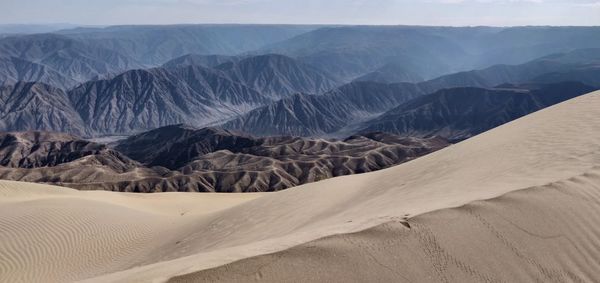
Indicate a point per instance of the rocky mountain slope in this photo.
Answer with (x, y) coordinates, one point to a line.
(45, 149)
(310, 115)
(459, 113)
(578, 65)
(140, 99)
(339, 112)
(218, 87)
(144, 99)
(175, 146)
(37, 106)
(278, 76)
(14, 70)
(246, 90)
(179, 158)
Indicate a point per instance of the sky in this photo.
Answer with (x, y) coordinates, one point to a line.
(363, 12)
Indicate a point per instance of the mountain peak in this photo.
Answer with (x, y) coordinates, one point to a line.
(278, 76)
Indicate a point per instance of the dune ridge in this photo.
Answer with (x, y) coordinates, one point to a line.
(539, 234)
(555, 152)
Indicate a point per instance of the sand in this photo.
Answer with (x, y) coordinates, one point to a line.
(517, 203)
(543, 234)
(53, 234)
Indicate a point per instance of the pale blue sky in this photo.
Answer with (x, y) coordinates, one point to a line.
(387, 12)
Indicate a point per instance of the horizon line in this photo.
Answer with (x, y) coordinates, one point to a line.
(74, 25)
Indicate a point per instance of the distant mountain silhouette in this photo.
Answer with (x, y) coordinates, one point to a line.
(393, 73)
(588, 74)
(155, 45)
(209, 61)
(351, 52)
(76, 60)
(578, 65)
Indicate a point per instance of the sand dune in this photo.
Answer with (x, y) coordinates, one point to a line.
(420, 221)
(56, 234)
(541, 234)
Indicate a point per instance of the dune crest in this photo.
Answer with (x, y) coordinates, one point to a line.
(556, 150)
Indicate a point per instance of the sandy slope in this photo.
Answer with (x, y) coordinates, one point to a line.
(542, 234)
(546, 231)
(57, 234)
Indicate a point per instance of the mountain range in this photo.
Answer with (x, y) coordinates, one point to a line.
(351, 52)
(182, 158)
(460, 113)
(261, 95)
(77, 60)
(278, 76)
(310, 115)
(34, 105)
(144, 99)
(156, 44)
(12, 29)
(569, 66)
(344, 52)
(14, 70)
(268, 81)
(349, 108)
(81, 54)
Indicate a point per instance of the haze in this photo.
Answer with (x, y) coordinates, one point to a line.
(384, 12)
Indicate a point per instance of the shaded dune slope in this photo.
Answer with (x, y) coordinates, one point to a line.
(546, 231)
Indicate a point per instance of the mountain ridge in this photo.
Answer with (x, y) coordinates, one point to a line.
(308, 115)
(183, 158)
(460, 113)
(278, 76)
